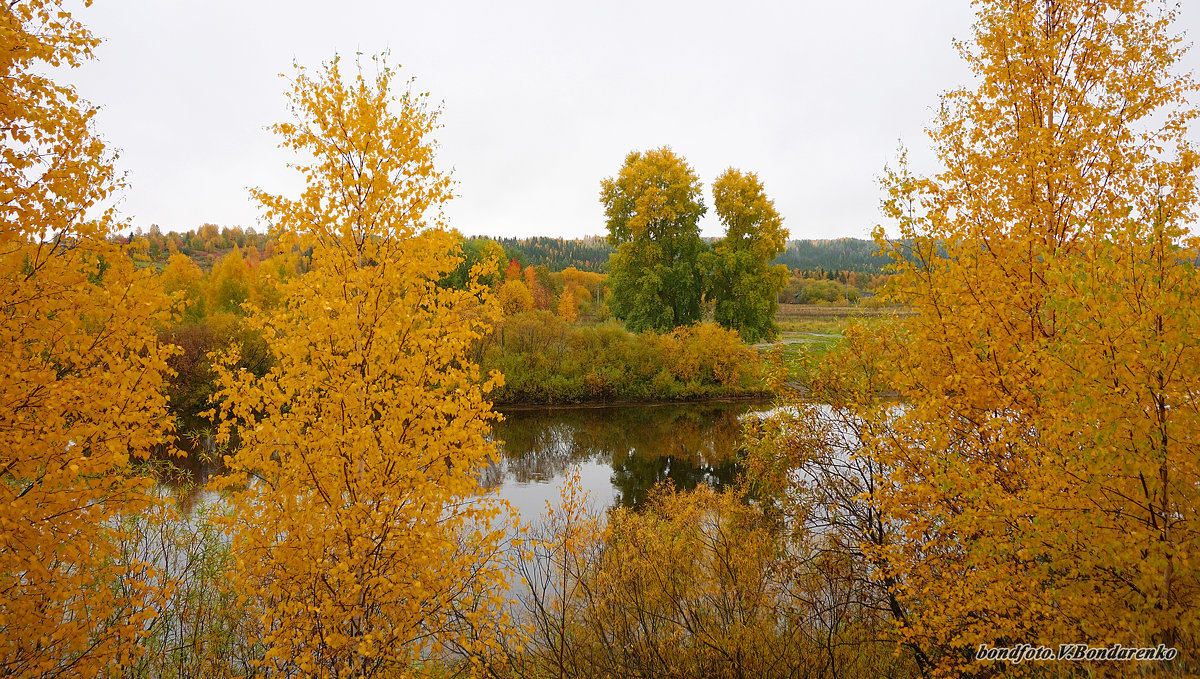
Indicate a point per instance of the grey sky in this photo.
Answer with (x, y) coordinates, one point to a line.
(542, 100)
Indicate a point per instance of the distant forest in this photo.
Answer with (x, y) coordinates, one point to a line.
(209, 242)
(586, 254)
(591, 253)
(842, 254)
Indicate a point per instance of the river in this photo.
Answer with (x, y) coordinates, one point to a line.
(622, 451)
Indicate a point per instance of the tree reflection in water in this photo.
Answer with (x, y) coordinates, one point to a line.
(623, 452)
(688, 444)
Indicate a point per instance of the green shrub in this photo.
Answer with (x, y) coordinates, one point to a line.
(546, 360)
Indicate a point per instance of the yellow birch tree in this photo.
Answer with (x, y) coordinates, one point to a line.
(361, 536)
(81, 387)
(1042, 475)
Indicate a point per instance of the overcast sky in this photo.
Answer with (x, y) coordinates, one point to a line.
(542, 100)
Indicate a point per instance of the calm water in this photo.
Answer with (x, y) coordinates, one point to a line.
(621, 451)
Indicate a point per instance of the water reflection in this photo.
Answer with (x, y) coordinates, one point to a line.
(187, 474)
(621, 451)
(638, 446)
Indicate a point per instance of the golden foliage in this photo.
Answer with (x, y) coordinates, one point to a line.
(360, 533)
(514, 297)
(1042, 474)
(691, 584)
(54, 168)
(573, 296)
(81, 386)
(750, 219)
(706, 352)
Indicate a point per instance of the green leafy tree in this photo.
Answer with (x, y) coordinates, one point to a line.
(745, 285)
(484, 253)
(653, 207)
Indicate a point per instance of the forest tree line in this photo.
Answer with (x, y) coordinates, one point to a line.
(209, 242)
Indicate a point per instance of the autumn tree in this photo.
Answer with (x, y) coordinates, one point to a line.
(80, 370)
(572, 298)
(473, 252)
(184, 280)
(537, 280)
(653, 208)
(689, 584)
(360, 535)
(514, 297)
(744, 284)
(1040, 481)
(230, 283)
(514, 270)
(589, 281)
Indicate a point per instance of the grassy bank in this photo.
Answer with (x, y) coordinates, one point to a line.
(809, 331)
(546, 360)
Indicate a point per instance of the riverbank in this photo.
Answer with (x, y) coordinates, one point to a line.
(547, 361)
(747, 399)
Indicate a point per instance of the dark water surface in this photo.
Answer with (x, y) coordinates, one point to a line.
(621, 451)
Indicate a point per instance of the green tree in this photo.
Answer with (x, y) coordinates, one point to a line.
(653, 207)
(482, 259)
(745, 286)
